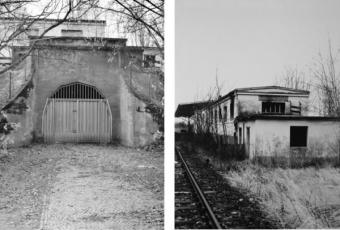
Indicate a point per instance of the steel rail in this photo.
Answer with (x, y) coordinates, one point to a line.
(199, 192)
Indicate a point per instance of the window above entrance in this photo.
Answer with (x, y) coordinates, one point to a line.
(273, 107)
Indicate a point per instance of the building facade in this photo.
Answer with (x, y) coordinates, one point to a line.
(269, 121)
(83, 90)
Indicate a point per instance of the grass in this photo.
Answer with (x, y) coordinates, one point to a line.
(296, 198)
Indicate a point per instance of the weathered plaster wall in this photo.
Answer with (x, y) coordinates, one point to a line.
(140, 123)
(19, 108)
(250, 104)
(246, 105)
(272, 138)
(20, 112)
(57, 66)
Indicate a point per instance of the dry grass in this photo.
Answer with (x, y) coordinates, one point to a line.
(296, 198)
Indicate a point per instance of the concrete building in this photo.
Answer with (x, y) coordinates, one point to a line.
(71, 27)
(270, 121)
(289, 136)
(80, 90)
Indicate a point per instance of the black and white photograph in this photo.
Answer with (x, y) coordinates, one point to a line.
(257, 114)
(82, 114)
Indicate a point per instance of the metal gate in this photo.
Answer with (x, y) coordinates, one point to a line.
(77, 113)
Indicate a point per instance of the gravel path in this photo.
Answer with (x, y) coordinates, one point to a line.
(85, 187)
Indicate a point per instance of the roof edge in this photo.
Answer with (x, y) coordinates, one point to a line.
(255, 117)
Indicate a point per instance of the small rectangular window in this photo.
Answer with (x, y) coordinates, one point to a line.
(273, 107)
(71, 32)
(32, 31)
(225, 113)
(298, 136)
(149, 61)
(219, 113)
(240, 135)
(232, 108)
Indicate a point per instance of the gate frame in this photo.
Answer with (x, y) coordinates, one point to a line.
(53, 100)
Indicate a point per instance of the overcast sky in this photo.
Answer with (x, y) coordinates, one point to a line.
(249, 42)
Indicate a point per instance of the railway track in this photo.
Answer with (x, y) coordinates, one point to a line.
(203, 199)
(192, 209)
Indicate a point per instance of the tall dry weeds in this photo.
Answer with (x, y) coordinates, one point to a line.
(296, 198)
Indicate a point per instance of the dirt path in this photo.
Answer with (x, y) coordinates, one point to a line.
(91, 187)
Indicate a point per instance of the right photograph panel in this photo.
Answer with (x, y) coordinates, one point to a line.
(257, 120)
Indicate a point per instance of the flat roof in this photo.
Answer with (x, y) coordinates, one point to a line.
(188, 109)
(78, 38)
(95, 21)
(248, 89)
(285, 117)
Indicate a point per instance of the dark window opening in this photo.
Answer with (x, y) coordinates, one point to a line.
(220, 113)
(72, 32)
(273, 107)
(77, 90)
(232, 108)
(298, 136)
(240, 135)
(225, 112)
(149, 61)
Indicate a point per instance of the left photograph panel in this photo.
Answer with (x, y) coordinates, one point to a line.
(82, 114)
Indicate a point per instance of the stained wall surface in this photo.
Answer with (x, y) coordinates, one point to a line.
(272, 137)
(72, 60)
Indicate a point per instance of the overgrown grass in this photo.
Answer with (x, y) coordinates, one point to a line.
(296, 198)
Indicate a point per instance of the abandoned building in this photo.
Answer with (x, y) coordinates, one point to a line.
(79, 86)
(268, 121)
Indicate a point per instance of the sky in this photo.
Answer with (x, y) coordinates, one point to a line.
(248, 42)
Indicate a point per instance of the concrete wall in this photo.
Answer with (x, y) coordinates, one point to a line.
(272, 138)
(250, 104)
(56, 65)
(21, 111)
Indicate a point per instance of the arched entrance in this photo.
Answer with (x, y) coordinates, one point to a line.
(77, 112)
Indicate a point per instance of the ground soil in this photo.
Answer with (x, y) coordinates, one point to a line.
(81, 187)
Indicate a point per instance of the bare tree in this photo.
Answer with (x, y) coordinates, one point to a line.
(328, 82)
(294, 78)
(20, 22)
(142, 18)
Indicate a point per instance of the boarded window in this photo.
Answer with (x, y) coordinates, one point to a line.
(273, 107)
(298, 136)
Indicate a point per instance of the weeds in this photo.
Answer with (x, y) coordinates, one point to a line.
(296, 198)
